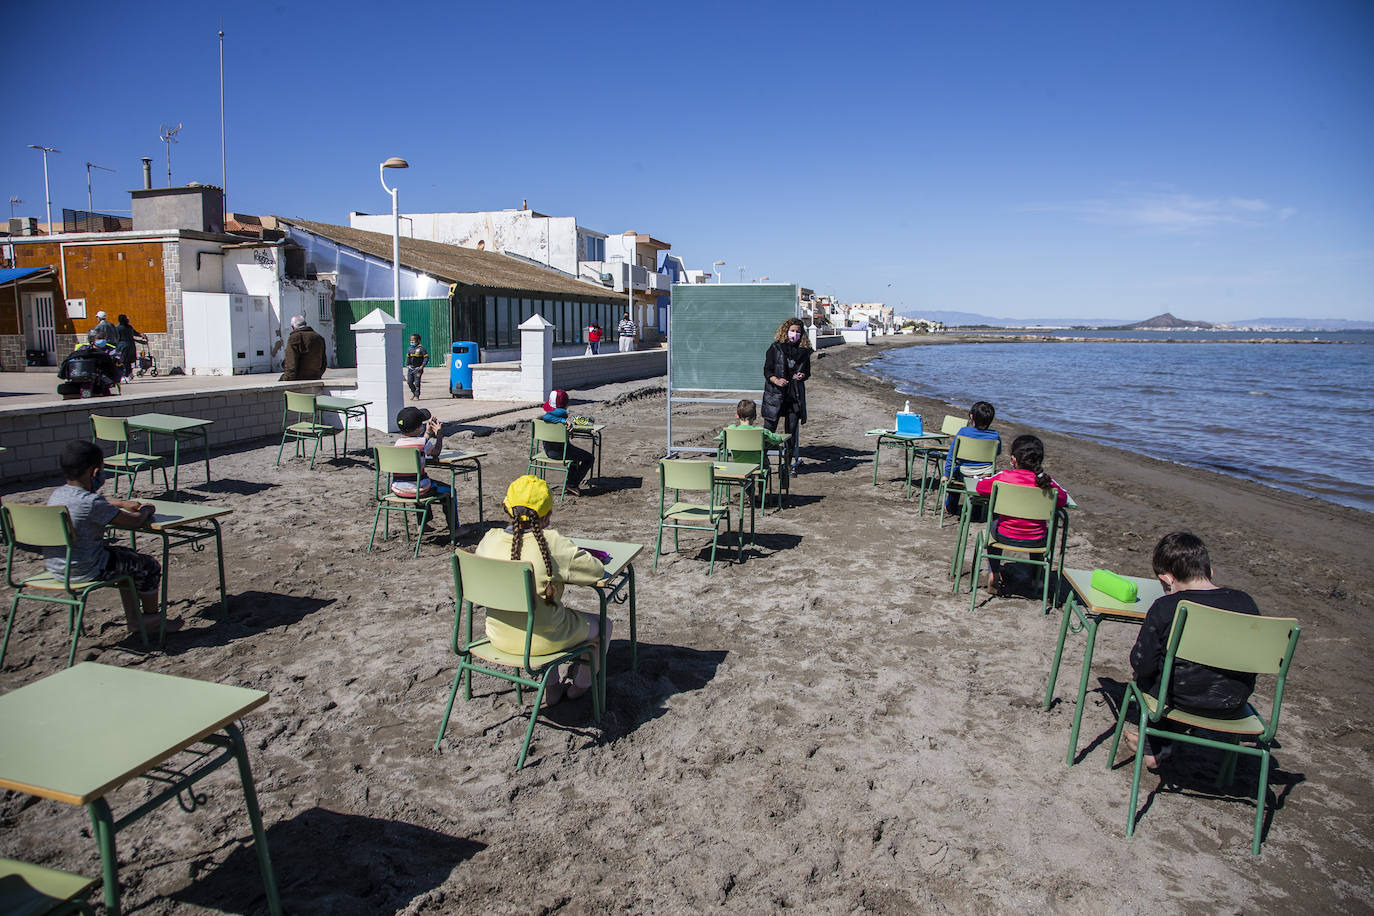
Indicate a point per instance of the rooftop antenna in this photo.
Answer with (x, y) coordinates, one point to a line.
(89, 166)
(13, 201)
(168, 135)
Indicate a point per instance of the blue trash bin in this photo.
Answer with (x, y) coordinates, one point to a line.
(461, 360)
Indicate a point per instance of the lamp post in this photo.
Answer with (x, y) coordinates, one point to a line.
(718, 265)
(47, 195)
(394, 163)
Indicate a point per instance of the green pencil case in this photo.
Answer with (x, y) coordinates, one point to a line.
(1118, 587)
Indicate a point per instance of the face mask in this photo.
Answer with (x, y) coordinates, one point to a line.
(794, 336)
(97, 480)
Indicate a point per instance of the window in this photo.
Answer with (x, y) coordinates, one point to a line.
(326, 309)
(490, 316)
(596, 249)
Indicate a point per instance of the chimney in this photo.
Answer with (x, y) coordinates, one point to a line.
(524, 203)
(147, 173)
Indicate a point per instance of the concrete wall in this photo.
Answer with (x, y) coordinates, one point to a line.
(501, 381)
(34, 435)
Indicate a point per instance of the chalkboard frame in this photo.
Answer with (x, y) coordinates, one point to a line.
(718, 334)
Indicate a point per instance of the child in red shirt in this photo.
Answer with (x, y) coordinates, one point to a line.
(1027, 456)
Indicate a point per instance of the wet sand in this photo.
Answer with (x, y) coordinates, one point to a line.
(824, 727)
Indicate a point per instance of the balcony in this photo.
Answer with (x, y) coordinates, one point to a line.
(660, 283)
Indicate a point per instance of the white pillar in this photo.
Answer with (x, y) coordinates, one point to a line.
(378, 338)
(536, 357)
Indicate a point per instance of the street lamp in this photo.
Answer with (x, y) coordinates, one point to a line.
(718, 265)
(46, 194)
(394, 163)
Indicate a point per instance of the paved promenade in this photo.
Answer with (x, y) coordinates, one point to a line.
(38, 388)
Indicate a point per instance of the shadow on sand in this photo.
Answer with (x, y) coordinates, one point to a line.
(330, 862)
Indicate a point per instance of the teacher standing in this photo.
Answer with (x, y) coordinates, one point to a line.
(786, 368)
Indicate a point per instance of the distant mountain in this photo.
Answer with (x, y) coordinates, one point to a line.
(1165, 322)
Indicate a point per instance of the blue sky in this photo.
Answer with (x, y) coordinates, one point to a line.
(1052, 159)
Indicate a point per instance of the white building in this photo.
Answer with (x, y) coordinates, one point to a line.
(626, 262)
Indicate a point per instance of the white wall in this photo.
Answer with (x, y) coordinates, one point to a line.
(209, 276)
(550, 240)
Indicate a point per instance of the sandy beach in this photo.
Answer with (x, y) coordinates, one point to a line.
(824, 727)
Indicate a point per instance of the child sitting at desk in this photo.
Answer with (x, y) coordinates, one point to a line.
(1184, 569)
(556, 411)
(746, 413)
(557, 562)
(1027, 458)
(980, 417)
(420, 430)
(93, 559)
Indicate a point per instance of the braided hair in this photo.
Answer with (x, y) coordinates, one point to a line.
(1029, 453)
(526, 520)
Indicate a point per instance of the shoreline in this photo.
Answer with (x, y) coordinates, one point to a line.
(824, 726)
(860, 365)
(1033, 337)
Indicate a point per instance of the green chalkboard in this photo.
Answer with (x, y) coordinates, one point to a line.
(718, 333)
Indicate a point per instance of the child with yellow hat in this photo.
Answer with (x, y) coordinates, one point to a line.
(557, 562)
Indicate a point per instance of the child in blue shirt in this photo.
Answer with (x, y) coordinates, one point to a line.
(556, 411)
(980, 417)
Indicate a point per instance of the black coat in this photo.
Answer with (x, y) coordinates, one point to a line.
(785, 360)
(1193, 687)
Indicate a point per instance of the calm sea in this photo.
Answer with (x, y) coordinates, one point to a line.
(1297, 416)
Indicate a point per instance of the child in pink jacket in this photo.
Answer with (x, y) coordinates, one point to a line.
(1027, 456)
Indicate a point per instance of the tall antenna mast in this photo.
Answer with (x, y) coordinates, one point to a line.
(89, 166)
(223, 159)
(168, 135)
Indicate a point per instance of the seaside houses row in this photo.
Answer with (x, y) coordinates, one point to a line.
(215, 293)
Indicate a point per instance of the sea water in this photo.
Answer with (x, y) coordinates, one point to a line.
(1297, 416)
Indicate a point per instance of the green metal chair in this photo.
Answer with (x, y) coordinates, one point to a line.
(1016, 501)
(32, 890)
(976, 451)
(1219, 639)
(37, 527)
(124, 462)
(746, 446)
(505, 587)
(389, 461)
(298, 425)
(933, 456)
(540, 463)
(679, 474)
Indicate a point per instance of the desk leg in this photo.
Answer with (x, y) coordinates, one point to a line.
(480, 516)
(250, 798)
(596, 437)
(219, 557)
(166, 567)
(634, 636)
(102, 823)
(366, 448)
(876, 450)
(906, 450)
(344, 416)
(1082, 688)
(205, 441)
(1059, 650)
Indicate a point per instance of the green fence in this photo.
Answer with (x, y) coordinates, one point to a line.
(427, 317)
